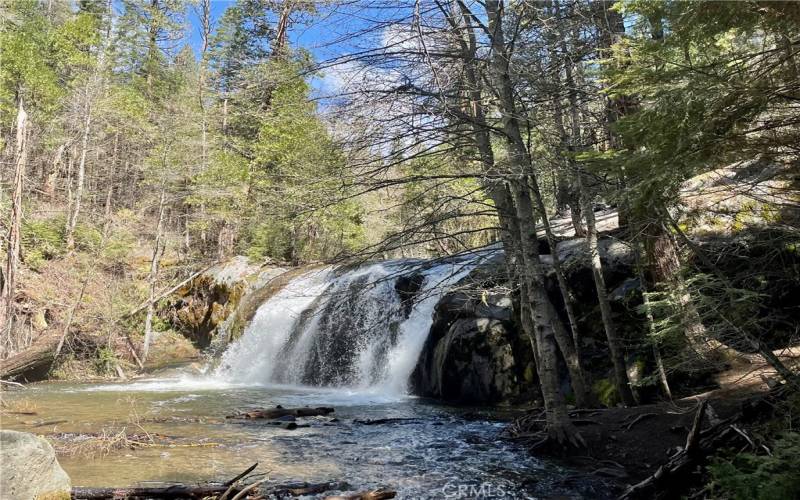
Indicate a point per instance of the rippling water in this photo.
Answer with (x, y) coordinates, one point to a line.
(430, 456)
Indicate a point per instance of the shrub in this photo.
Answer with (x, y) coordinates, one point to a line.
(606, 392)
(119, 246)
(87, 238)
(105, 361)
(42, 240)
(761, 477)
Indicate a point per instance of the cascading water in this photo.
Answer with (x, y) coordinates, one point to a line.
(361, 328)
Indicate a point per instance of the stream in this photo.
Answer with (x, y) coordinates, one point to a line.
(437, 451)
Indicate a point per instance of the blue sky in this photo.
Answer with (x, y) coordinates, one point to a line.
(330, 34)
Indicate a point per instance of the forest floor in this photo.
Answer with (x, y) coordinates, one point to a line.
(627, 445)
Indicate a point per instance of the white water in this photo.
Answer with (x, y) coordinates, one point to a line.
(345, 330)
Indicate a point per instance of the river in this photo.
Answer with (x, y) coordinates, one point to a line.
(435, 452)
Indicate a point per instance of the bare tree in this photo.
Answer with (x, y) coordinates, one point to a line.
(8, 285)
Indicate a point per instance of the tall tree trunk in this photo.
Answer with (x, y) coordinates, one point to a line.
(545, 321)
(569, 346)
(651, 328)
(559, 426)
(72, 220)
(8, 285)
(49, 186)
(614, 343)
(155, 263)
(112, 168)
(662, 256)
(460, 19)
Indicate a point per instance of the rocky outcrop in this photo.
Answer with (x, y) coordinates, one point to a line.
(476, 352)
(473, 363)
(211, 298)
(473, 354)
(30, 469)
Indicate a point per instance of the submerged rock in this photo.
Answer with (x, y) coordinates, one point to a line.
(30, 468)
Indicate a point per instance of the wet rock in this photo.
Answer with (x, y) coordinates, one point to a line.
(207, 302)
(472, 363)
(477, 354)
(407, 287)
(30, 468)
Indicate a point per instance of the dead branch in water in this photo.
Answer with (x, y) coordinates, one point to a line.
(280, 411)
(213, 490)
(381, 494)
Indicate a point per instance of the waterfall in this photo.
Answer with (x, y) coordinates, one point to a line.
(360, 328)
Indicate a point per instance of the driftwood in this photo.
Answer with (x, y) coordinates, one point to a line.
(303, 489)
(699, 445)
(172, 491)
(381, 494)
(242, 475)
(209, 490)
(279, 412)
(381, 421)
(36, 358)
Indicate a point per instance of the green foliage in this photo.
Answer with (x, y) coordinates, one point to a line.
(105, 361)
(42, 240)
(118, 246)
(606, 392)
(702, 81)
(88, 238)
(746, 476)
(29, 54)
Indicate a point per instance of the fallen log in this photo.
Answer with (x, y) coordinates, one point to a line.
(33, 363)
(279, 412)
(381, 421)
(381, 494)
(176, 491)
(303, 489)
(167, 492)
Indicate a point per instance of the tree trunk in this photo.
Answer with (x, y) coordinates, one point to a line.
(8, 285)
(545, 322)
(72, 220)
(662, 255)
(614, 343)
(569, 346)
(112, 168)
(31, 364)
(559, 426)
(49, 186)
(155, 262)
(648, 311)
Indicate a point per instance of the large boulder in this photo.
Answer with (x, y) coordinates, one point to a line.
(474, 353)
(30, 469)
(473, 363)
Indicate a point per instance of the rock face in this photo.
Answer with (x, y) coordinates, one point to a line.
(476, 352)
(473, 363)
(206, 302)
(30, 469)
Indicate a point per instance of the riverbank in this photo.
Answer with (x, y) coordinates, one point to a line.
(675, 448)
